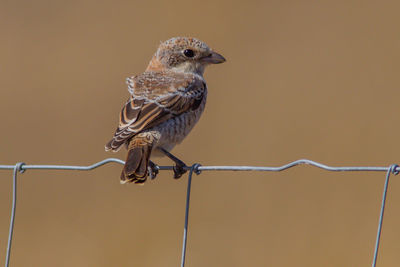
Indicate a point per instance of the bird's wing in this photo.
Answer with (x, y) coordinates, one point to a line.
(155, 98)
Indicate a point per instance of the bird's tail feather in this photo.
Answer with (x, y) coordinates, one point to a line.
(137, 161)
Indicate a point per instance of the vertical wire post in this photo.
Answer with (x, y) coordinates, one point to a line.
(17, 168)
(392, 169)
(194, 168)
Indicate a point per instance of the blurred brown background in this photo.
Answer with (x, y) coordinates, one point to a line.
(304, 79)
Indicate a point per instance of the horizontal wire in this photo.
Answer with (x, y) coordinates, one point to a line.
(207, 168)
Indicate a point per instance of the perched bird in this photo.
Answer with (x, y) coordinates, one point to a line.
(165, 102)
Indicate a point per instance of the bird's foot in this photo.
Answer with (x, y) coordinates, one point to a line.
(152, 170)
(179, 169)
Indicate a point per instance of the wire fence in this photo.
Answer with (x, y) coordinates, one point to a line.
(197, 168)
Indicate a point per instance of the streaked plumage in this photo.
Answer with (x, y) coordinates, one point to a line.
(166, 102)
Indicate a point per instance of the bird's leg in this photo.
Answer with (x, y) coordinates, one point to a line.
(179, 168)
(152, 169)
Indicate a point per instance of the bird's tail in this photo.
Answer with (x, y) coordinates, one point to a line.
(137, 161)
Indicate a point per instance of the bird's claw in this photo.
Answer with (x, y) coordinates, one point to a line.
(180, 167)
(152, 170)
(179, 170)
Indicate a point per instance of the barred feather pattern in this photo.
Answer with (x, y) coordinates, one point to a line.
(166, 102)
(137, 160)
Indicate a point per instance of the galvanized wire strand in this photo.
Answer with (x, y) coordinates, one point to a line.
(209, 168)
(65, 167)
(290, 165)
(392, 169)
(17, 168)
(395, 169)
(193, 168)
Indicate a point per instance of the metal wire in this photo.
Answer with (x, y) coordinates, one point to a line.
(197, 168)
(17, 168)
(392, 169)
(208, 168)
(194, 168)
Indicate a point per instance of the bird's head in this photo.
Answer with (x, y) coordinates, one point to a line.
(184, 54)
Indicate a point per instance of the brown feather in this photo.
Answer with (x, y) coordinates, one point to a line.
(137, 161)
(156, 97)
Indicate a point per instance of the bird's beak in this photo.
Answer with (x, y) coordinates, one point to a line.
(213, 58)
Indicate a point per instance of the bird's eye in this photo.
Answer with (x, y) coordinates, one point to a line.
(188, 53)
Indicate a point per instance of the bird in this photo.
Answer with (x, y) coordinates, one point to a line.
(165, 103)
